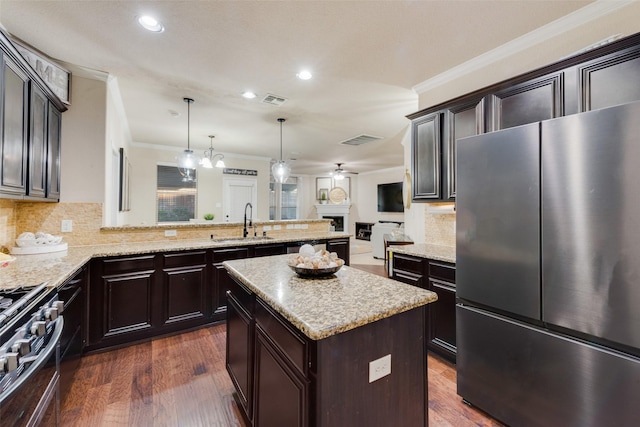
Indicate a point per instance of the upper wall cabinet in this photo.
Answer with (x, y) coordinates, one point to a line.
(13, 121)
(434, 149)
(30, 123)
(599, 78)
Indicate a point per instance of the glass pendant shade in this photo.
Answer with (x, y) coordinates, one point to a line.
(188, 161)
(207, 160)
(338, 176)
(280, 171)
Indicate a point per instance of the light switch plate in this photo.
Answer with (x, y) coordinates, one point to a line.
(379, 368)
(66, 226)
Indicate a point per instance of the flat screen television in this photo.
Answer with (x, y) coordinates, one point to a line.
(390, 197)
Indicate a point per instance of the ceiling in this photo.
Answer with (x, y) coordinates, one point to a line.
(365, 57)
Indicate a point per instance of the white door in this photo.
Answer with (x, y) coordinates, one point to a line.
(236, 193)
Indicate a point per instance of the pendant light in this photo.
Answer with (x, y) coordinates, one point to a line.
(281, 170)
(188, 161)
(207, 160)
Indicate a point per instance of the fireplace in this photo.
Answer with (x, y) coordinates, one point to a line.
(337, 222)
(338, 214)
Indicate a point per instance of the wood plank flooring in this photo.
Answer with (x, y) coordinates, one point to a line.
(182, 381)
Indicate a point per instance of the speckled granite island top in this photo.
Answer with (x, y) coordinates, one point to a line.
(436, 252)
(56, 267)
(323, 307)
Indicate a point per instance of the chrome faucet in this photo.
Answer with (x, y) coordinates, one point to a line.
(244, 231)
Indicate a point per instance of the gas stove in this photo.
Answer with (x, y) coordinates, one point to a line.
(30, 329)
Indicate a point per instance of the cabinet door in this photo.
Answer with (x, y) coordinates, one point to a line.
(426, 157)
(529, 102)
(37, 185)
(184, 289)
(442, 320)
(340, 247)
(240, 351)
(13, 159)
(221, 280)
(611, 80)
(53, 155)
(463, 121)
(281, 393)
(122, 301)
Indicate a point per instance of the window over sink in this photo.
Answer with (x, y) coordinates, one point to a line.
(175, 198)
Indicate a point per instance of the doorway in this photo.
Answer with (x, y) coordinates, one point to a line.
(236, 193)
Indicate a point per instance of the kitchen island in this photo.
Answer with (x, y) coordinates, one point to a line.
(349, 349)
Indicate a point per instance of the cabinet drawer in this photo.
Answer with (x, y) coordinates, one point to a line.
(443, 271)
(287, 341)
(272, 249)
(408, 278)
(183, 259)
(407, 263)
(243, 296)
(128, 264)
(228, 254)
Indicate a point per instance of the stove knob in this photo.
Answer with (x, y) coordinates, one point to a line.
(21, 347)
(51, 314)
(38, 328)
(59, 305)
(9, 362)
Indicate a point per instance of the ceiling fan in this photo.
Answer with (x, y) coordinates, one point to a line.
(339, 173)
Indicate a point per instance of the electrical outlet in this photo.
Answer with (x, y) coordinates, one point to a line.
(266, 228)
(170, 233)
(379, 368)
(277, 227)
(66, 226)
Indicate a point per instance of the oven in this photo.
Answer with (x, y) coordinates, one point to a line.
(30, 331)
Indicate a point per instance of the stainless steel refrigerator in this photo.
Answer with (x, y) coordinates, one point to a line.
(548, 270)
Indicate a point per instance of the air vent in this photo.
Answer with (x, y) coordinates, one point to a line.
(273, 100)
(360, 139)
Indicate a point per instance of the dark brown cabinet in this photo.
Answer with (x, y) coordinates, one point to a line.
(221, 280)
(599, 78)
(184, 289)
(123, 301)
(30, 122)
(54, 122)
(13, 129)
(532, 101)
(239, 349)
(440, 278)
(426, 157)
(38, 109)
(341, 248)
(442, 313)
(73, 294)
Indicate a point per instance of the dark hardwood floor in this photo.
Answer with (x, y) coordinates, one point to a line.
(182, 381)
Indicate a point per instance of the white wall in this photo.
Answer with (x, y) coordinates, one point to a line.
(144, 159)
(83, 143)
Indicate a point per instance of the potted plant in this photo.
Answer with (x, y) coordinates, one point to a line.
(323, 198)
(209, 217)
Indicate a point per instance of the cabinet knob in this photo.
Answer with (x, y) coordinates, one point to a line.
(22, 347)
(38, 328)
(9, 362)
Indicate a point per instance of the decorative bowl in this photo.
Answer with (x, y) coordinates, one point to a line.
(315, 272)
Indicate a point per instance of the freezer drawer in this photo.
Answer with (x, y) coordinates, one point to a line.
(525, 376)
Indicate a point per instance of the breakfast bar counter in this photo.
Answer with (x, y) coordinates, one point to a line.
(348, 349)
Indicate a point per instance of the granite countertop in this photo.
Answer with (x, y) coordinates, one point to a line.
(323, 307)
(56, 267)
(424, 250)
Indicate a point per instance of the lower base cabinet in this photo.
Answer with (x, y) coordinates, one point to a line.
(439, 277)
(283, 378)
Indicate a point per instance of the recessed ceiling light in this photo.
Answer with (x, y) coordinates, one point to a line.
(150, 23)
(248, 95)
(304, 75)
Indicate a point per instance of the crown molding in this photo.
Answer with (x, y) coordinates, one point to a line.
(569, 22)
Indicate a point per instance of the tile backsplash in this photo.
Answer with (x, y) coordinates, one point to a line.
(439, 229)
